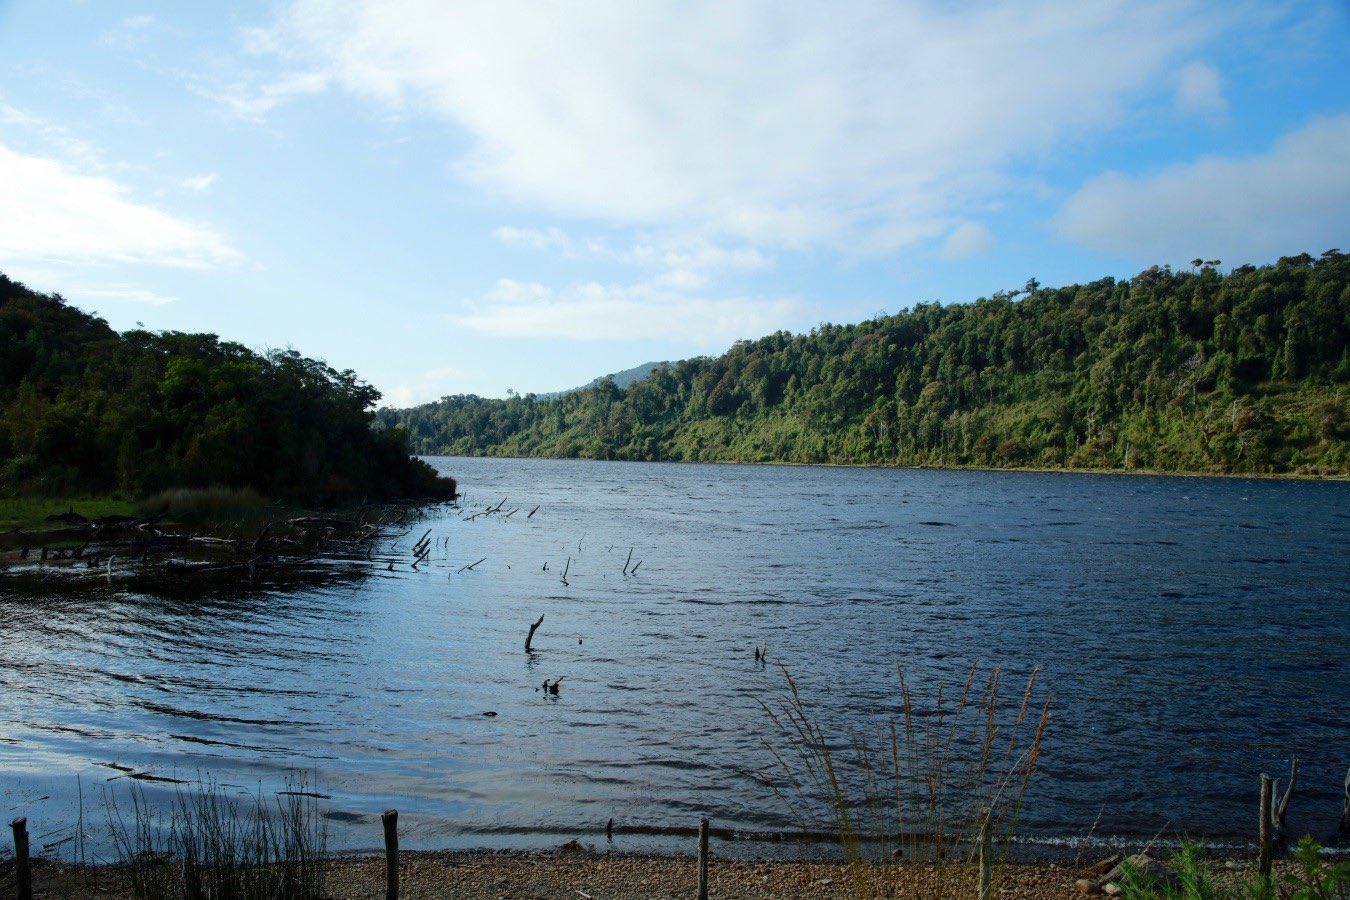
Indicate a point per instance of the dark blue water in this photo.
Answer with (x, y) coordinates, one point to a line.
(1194, 633)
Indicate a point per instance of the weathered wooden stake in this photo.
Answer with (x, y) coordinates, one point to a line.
(986, 859)
(529, 637)
(390, 819)
(1345, 808)
(703, 859)
(22, 872)
(1264, 836)
(1280, 811)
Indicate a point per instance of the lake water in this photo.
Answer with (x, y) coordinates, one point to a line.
(1194, 633)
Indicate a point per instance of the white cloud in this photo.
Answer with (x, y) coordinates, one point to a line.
(670, 252)
(52, 213)
(967, 240)
(122, 294)
(533, 238)
(598, 312)
(198, 183)
(864, 126)
(253, 98)
(428, 386)
(1199, 90)
(1292, 198)
(130, 33)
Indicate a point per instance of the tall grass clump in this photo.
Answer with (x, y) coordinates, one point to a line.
(921, 785)
(212, 845)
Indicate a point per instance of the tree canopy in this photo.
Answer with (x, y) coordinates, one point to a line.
(84, 409)
(1187, 371)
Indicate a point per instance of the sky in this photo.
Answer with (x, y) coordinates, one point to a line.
(481, 197)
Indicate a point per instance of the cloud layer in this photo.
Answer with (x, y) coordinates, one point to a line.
(865, 127)
(51, 213)
(598, 312)
(1296, 196)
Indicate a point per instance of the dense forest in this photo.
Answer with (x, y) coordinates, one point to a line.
(86, 410)
(1184, 371)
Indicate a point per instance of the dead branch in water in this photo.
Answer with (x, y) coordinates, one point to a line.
(529, 637)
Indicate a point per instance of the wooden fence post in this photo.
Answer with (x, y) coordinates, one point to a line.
(1344, 829)
(1264, 836)
(986, 859)
(390, 819)
(703, 860)
(23, 873)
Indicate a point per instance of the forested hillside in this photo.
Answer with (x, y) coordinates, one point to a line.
(85, 410)
(1194, 371)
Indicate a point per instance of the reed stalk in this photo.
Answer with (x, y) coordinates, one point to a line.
(918, 787)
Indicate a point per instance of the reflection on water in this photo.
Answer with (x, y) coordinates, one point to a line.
(1193, 632)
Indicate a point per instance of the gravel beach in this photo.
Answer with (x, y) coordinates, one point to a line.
(581, 875)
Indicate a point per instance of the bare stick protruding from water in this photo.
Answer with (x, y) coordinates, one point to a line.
(529, 637)
(390, 820)
(567, 568)
(628, 561)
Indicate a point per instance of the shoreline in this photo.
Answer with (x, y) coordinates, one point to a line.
(1028, 470)
(572, 870)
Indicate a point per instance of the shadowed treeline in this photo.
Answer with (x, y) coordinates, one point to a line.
(86, 410)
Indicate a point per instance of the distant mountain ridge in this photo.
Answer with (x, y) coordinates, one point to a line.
(625, 379)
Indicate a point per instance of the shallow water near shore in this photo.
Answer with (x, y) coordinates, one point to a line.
(1194, 633)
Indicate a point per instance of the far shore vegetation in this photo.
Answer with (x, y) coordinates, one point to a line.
(109, 423)
(1192, 371)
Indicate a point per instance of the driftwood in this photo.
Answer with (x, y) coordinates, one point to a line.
(1143, 865)
(320, 522)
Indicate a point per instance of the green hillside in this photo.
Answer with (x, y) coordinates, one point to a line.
(85, 411)
(1186, 371)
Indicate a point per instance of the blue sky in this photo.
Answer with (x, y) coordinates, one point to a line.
(466, 198)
